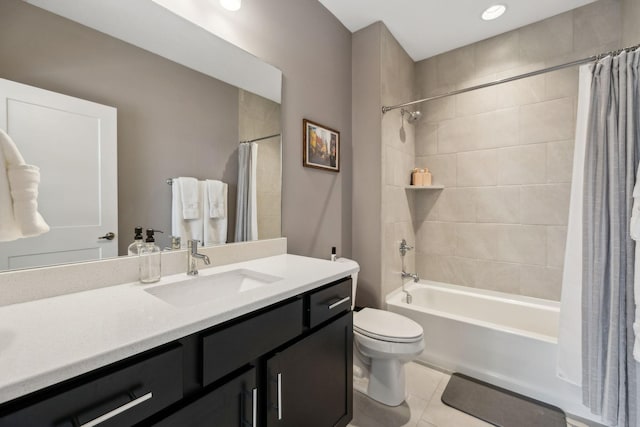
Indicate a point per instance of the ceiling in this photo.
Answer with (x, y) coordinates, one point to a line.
(428, 27)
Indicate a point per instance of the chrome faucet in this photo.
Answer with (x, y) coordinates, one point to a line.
(404, 247)
(193, 256)
(415, 277)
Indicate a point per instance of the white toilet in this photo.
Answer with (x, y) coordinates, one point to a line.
(383, 343)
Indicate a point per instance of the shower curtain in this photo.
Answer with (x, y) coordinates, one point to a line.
(247, 205)
(570, 330)
(609, 381)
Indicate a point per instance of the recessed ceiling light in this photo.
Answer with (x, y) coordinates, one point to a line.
(493, 12)
(231, 5)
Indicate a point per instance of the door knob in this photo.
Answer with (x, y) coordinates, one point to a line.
(109, 236)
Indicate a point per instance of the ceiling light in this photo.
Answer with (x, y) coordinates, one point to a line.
(493, 12)
(231, 5)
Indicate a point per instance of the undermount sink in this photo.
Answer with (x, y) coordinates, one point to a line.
(203, 289)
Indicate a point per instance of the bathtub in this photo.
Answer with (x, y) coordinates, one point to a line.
(506, 340)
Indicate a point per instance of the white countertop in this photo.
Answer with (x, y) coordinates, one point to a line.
(46, 341)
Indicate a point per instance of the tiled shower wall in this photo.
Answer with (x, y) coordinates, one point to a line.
(504, 154)
(398, 154)
(259, 117)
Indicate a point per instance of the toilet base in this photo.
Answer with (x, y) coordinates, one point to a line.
(386, 386)
(387, 381)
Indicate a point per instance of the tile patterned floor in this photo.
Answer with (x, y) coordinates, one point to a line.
(423, 407)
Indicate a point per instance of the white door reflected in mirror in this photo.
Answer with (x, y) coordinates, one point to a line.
(74, 143)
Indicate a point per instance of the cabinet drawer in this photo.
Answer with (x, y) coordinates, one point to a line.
(119, 395)
(328, 302)
(236, 345)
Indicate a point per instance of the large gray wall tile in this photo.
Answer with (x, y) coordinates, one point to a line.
(477, 168)
(547, 121)
(522, 165)
(498, 205)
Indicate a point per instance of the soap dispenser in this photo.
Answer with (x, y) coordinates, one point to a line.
(150, 259)
(138, 242)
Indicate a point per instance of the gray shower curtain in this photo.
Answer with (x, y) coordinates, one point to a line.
(609, 383)
(246, 206)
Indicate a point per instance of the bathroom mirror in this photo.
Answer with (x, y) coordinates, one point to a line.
(184, 100)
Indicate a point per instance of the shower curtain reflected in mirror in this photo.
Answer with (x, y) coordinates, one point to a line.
(247, 205)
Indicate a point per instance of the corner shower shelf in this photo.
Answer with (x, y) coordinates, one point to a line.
(425, 187)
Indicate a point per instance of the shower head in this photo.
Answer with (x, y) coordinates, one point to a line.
(413, 116)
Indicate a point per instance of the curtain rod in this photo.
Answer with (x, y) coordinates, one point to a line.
(385, 109)
(260, 139)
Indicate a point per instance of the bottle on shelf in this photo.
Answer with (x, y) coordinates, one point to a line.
(417, 178)
(426, 177)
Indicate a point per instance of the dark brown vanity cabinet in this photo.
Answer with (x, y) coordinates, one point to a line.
(118, 395)
(289, 364)
(235, 403)
(310, 382)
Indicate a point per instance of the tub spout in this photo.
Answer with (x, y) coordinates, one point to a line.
(414, 276)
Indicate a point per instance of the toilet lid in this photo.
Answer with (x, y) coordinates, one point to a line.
(386, 326)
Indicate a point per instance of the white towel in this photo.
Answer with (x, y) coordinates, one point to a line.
(215, 228)
(635, 235)
(186, 229)
(24, 181)
(19, 215)
(191, 197)
(217, 199)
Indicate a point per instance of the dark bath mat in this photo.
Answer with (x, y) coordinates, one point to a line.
(498, 406)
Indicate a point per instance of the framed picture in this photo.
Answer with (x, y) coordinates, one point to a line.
(320, 146)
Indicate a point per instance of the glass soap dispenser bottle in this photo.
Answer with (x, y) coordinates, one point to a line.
(138, 242)
(149, 259)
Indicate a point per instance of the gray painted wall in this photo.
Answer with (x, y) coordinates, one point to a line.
(172, 121)
(367, 170)
(630, 19)
(313, 50)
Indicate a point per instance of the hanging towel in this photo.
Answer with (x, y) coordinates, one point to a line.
(191, 197)
(24, 181)
(19, 216)
(215, 228)
(186, 229)
(216, 207)
(635, 235)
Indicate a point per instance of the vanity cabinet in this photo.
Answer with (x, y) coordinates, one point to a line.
(318, 391)
(289, 364)
(235, 403)
(118, 395)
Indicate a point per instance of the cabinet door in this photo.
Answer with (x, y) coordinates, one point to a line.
(310, 383)
(233, 404)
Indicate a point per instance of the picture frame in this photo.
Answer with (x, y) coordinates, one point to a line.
(320, 146)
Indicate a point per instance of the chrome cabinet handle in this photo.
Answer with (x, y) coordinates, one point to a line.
(337, 303)
(254, 420)
(279, 397)
(109, 236)
(119, 410)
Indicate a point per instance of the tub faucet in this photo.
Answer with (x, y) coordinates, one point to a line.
(193, 256)
(412, 275)
(404, 247)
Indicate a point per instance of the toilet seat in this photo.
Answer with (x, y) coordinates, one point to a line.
(386, 326)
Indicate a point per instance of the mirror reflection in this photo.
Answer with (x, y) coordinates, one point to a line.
(108, 123)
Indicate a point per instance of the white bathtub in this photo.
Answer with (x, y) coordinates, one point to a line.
(507, 340)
